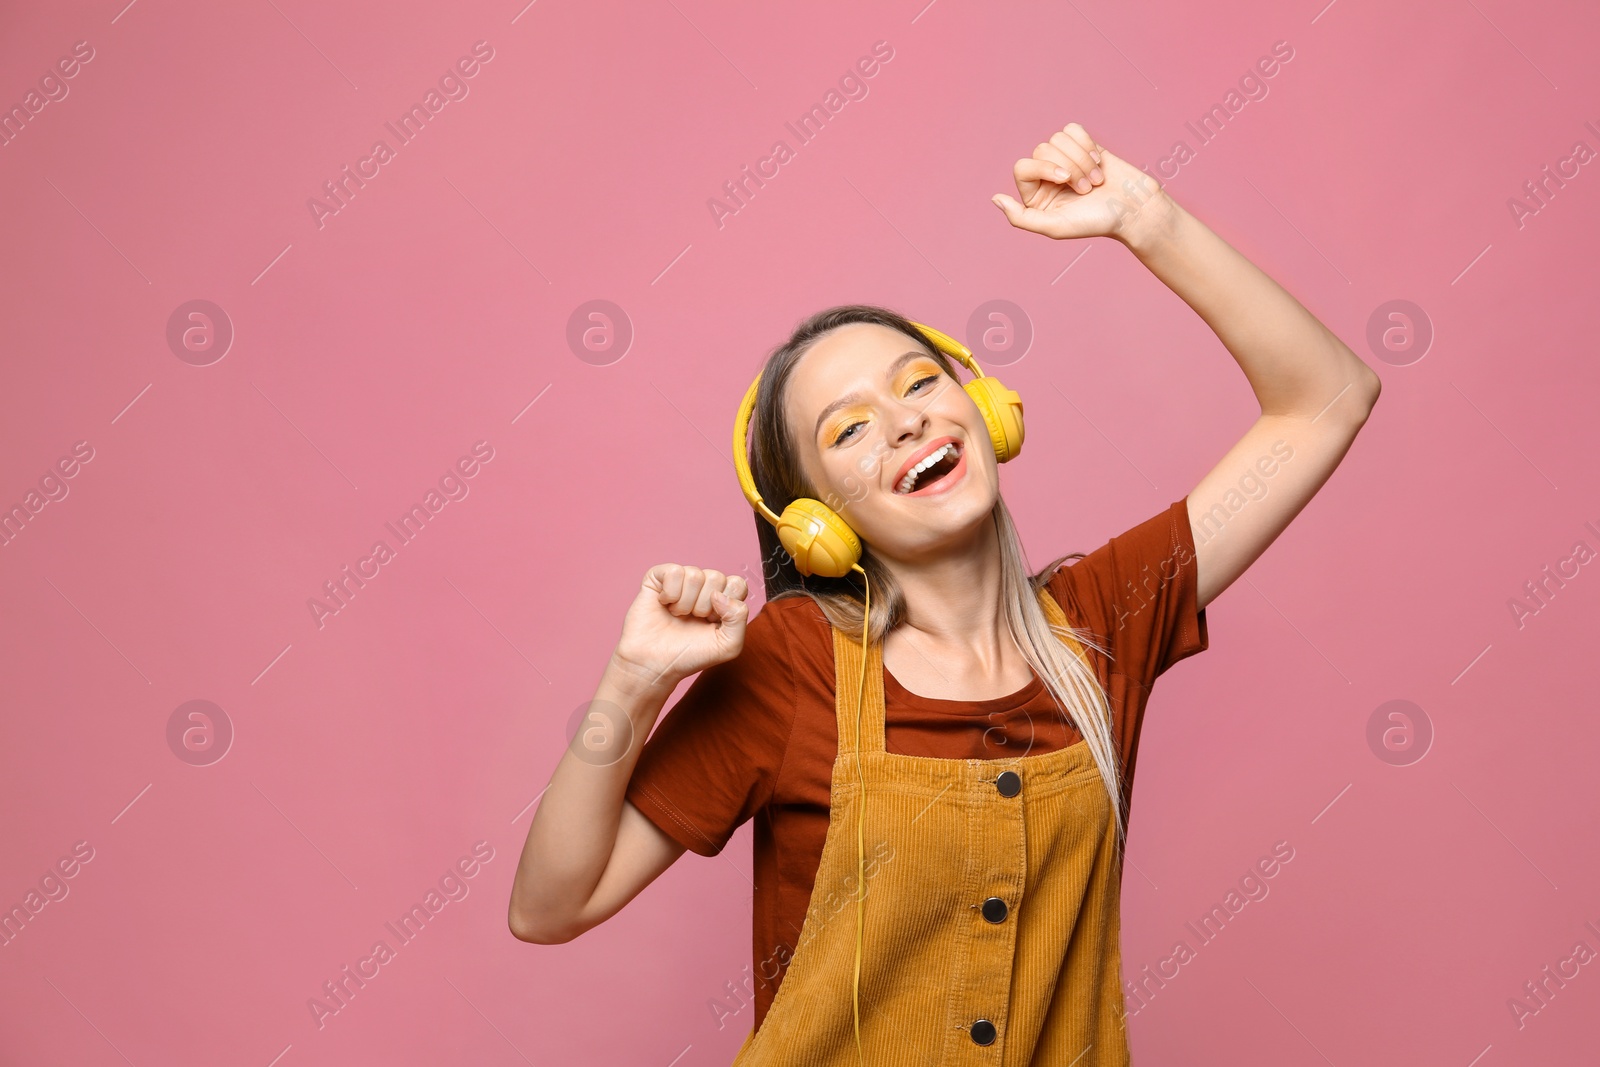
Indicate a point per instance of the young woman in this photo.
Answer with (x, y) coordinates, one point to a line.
(937, 746)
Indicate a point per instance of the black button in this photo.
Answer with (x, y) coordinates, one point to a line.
(1009, 784)
(983, 1032)
(994, 909)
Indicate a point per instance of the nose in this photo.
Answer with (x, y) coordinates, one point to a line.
(906, 420)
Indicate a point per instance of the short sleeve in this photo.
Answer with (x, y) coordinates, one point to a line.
(1139, 591)
(713, 760)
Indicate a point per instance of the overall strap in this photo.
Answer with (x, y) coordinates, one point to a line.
(847, 679)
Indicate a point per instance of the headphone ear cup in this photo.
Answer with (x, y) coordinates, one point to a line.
(817, 539)
(1002, 413)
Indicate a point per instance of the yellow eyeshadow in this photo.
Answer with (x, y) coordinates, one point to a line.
(842, 419)
(912, 373)
(918, 369)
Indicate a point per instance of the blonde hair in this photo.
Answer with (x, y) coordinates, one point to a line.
(775, 466)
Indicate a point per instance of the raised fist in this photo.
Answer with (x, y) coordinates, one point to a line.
(684, 620)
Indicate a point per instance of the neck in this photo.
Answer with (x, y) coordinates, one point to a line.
(952, 599)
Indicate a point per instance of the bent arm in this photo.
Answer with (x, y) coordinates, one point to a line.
(588, 851)
(1315, 393)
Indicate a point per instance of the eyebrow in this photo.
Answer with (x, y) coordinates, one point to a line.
(851, 398)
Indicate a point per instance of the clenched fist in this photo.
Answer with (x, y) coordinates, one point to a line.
(1073, 186)
(684, 620)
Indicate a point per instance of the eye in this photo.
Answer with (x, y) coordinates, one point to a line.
(923, 381)
(845, 434)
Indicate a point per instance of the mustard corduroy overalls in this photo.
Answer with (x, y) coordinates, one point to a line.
(991, 908)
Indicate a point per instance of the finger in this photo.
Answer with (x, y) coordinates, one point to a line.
(668, 580)
(1043, 170)
(1028, 186)
(731, 613)
(702, 604)
(1081, 136)
(1088, 174)
(737, 588)
(693, 579)
(1052, 154)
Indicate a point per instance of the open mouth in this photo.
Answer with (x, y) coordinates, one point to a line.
(933, 468)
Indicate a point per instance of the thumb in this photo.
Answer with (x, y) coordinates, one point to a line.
(1014, 212)
(732, 614)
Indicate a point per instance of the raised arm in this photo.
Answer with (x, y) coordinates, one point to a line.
(589, 851)
(1315, 393)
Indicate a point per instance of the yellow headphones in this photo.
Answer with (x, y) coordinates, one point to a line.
(816, 538)
(821, 543)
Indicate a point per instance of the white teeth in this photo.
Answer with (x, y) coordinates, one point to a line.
(915, 472)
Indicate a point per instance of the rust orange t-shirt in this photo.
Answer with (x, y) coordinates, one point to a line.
(756, 737)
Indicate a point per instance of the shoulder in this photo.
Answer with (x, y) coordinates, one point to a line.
(787, 642)
(789, 618)
(773, 627)
(1157, 548)
(791, 629)
(794, 629)
(1137, 591)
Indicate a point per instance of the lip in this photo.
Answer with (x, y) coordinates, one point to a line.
(923, 453)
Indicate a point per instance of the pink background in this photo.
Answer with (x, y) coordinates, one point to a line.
(370, 353)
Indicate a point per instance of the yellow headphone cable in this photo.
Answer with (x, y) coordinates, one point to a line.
(861, 803)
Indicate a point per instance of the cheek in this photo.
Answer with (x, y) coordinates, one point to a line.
(955, 402)
(850, 478)
(957, 406)
(848, 482)
(983, 469)
(826, 475)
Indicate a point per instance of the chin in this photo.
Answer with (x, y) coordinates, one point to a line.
(938, 529)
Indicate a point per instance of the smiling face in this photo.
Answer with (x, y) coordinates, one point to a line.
(891, 442)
